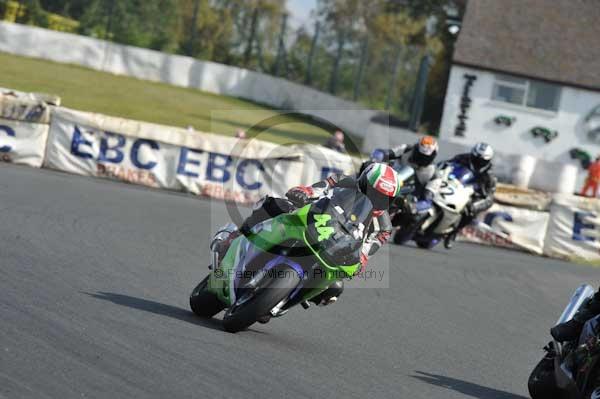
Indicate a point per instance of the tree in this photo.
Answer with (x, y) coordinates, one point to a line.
(34, 14)
(144, 23)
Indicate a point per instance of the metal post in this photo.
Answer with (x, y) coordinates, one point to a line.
(251, 36)
(392, 85)
(259, 54)
(361, 68)
(418, 101)
(311, 55)
(336, 64)
(109, 21)
(193, 30)
(281, 48)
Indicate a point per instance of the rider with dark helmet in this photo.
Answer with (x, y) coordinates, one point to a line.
(479, 161)
(379, 182)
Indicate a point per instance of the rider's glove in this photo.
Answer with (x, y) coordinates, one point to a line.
(469, 212)
(300, 195)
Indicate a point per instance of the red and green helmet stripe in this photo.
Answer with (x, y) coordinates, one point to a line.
(384, 179)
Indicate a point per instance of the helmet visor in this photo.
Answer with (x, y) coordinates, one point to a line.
(379, 200)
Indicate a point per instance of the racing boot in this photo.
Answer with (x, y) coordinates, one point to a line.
(449, 240)
(571, 330)
(330, 295)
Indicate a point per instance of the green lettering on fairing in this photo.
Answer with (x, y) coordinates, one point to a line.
(321, 225)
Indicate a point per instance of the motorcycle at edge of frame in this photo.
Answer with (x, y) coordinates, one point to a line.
(570, 370)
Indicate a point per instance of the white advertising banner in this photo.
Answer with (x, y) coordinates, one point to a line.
(574, 229)
(23, 130)
(22, 142)
(509, 227)
(96, 145)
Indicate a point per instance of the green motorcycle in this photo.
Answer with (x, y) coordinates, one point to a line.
(286, 261)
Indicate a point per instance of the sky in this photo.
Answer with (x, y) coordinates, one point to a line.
(300, 11)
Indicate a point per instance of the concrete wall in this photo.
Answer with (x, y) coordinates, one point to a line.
(184, 72)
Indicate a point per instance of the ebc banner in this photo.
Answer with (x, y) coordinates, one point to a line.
(84, 147)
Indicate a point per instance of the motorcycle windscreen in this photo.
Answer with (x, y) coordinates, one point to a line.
(591, 329)
(580, 296)
(462, 174)
(338, 224)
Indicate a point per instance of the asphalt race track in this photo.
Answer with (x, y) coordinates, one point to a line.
(94, 304)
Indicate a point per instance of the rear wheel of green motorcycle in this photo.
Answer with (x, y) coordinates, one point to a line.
(277, 285)
(203, 302)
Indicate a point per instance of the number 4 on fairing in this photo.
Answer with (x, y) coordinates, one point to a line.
(321, 226)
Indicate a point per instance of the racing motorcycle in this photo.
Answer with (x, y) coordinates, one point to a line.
(571, 370)
(286, 261)
(452, 190)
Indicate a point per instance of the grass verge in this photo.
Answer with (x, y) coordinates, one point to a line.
(89, 90)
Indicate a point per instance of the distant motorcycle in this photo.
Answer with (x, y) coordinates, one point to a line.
(571, 370)
(452, 191)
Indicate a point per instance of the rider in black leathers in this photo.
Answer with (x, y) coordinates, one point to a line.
(479, 161)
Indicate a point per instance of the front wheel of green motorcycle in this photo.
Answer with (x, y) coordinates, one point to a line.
(275, 286)
(203, 302)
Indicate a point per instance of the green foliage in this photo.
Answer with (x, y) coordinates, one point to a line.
(387, 37)
(94, 91)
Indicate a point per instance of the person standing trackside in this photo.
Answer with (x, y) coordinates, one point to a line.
(336, 142)
(593, 179)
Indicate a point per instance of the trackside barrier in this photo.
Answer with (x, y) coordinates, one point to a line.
(574, 229)
(170, 158)
(510, 227)
(24, 124)
(37, 134)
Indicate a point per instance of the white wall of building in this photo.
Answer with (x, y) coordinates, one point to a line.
(568, 121)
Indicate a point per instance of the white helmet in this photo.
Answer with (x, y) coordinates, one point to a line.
(481, 157)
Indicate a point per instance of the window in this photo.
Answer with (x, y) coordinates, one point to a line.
(528, 93)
